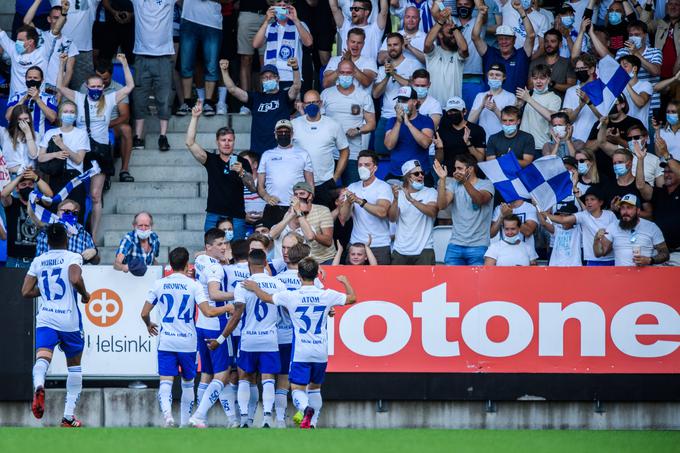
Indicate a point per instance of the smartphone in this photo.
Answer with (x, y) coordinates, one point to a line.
(233, 159)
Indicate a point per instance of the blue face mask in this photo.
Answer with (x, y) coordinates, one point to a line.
(568, 21)
(95, 93)
(614, 17)
(19, 47)
(495, 84)
(636, 40)
(312, 110)
(582, 168)
(417, 185)
(526, 4)
(672, 118)
(345, 81)
(421, 92)
(67, 119)
(229, 235)
(270, 85)
(69, 218)
(281, 12)
(509, 129)
(404, 107)
(620, 169)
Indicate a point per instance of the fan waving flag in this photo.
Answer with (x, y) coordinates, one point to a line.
(547, 180)
(503, 173)
(610, 83)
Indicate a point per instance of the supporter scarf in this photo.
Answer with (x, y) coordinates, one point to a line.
(275, 54)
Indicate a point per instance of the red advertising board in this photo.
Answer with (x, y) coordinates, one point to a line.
(507, 320)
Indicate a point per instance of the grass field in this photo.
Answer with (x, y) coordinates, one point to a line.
(132, 440)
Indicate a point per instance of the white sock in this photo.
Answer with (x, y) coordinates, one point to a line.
(281, 403)
(228, 402)
(222, 95)
(252, 403)
(212, 394)
(74, 385)
(187, 402)
(201, 390)
(243, 399)
(300, 400)
(165, 398)
(315, 402)
(200, 93)
(233, 388)
(268, 395)
(39, 371)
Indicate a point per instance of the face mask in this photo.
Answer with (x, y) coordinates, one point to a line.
(620, 169)
(417, 185)
(509, 129)
(512, 241)
(312, 110)
(143, 234)
(582, 75)
(456, 117)
(421, 92)
(94, 93)
(636, 40)
(345, 81)
(582, 168)
(281, 12)
(364, 173)
(631, 74)
(25, 192)
(19, 47)
(283, 140)
(614, 17)
(568, 21)
(404, 107)
(69, 218)
(543, 91)
(495, 84)
(33, 84)
(526, 4)
(464, 12)
(229, 235)
(67, 119)
(631, 144)
(560, 131)
(672, 118)
(270, 85)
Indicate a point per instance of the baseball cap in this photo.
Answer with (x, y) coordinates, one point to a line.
(594, 191)
(497, 67)
(284, 123)
(406, 92)
(269, 68)
(303, 185)
(630, 199)
(137, 267)
(570, 160)
(409, 166)
(454, 103)
(565, 8)
(567, 207)
(504, 30)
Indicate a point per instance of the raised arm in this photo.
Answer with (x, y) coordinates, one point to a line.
(30, 14)
(294, 89)
(383, 15)
(338, 17)
(196, 150)
(444, 197)
(645, 189)
(64, 90)
(477, 40)
(129, 80)
(351, 295)
(528, 26)
(600, 49)
(235, 91)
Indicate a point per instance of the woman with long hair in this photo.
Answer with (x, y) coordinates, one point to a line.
(587, 169)
(19, 140)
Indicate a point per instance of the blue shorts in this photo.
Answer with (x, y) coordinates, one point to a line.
(72, 343)
(236, 347)
(284, 356)
(169, 363)
(213, 361)
(302, 373)
(264, 362)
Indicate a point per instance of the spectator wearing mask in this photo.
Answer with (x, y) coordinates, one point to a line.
(634, 240)
(636, 144)
(364, 69)
(414, 38)
(413, 209)
(323, 138)
(668, 136)
(254, 204)
(367, 202)
(642, 176)
(427, 105)
(582, 112)
(567, 26)
(471, 201)
(561, 143)
(473, 75)
(43, 106)
(409, 134)
(80, 243)
(269, 106)
(512, 17)
(637, 92)
(353, 109)
(486, 109)
(666, 203)
(250, 17)
(565, 241)
(510, 139)
(562, 75)
(527, 214)
(445, 62)
(138, 247)
(622, 160)
(539, 105)
(586, 167)
(360, 11)
(457, 135)
(280, 169)
(511, 251)
(619, 15)
(666, 34)
(19, 141)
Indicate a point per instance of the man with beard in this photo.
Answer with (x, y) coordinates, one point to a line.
(445, 62)
(635, 241)
(562, 74)
(360, 12)
(666, 202)
(364, 68)
(414, 38)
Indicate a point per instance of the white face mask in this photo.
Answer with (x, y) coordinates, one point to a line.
(143, 234)
(364, 173)
(560, 131)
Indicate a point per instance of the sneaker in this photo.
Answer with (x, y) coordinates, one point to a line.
(163, 144)
(38, 406)
(297, 418)
(197, 423)
(221, 108)
(234, 424)
(307, 419)
(244, 111)
(208, 109)
(267, 420)
(73, 423)
(245, 425)
(183, 110)
(137, 143)
(170, 422)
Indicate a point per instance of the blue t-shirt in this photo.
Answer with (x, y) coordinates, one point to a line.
(266, 110)
(22, 7)
(516, 67)
(407, 148)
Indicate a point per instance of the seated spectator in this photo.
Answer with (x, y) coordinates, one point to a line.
(367, 202)
(414, 210)
(414, 37)
(19, 141)
(456, 135)
(556, 58)
(41, 105)
(511, 139)
(634, 241)
(141, 245)
(666, 203)
(360, 12)
(565, 241)
(539, 106)
(511, 251)
(358, 254)
(486, 109)
(471, 201)
(363, 68)
(561, 143)
(253, 203)
(80, 243)
(582, 112)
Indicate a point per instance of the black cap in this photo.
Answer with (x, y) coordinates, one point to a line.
(497, 67)
(569, 160)
(595, 191)
(567, 207)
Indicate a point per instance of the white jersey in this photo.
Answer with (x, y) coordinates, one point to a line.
(259, 332)
(176, 296)
(210, 270)
(309, 307)
(236, 273)
(284, 325)
(58, 300)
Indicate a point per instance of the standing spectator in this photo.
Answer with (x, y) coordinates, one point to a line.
(471, 201)
(625, 183)
(367, 202)
(360, 13)
(636, 143)
(586, 167)
(118, 30)
(269, 106)
(414, 210)
(228, 175)
(568, 28)
(473, 75)
(154, 52)
(511, 251)
(364, 68)
(619, 15)
(666, 34)
(42, 105)
(445, 61)
(511, 16)
(562, 75)
(78, 27)
(539, 106)
(253, 203)
(280, 169)
(139, 247)
(427, 105)
(457, 135)
(250, 17)
(582, 112)
(561, 141)
(668, 136)
(528, 216)
(353, 108)
(666, 203)
(80, 243)
(638, 92)
(511, 139)
(414, 38)
(486, 109)
(323, 138)
(19, 141)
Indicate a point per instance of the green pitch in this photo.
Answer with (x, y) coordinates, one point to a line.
(129, 440)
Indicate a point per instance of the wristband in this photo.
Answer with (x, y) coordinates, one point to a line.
(220, 339)
(363, 203)
(440, 24)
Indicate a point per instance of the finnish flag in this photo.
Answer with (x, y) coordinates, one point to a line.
(504, 174)
(547, 180)
(610, 83)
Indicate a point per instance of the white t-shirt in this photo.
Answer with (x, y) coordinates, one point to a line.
(525, 211)
(446, 72)
(21, 62)
(58, 308)
(76, 139)
(520, 254)
(348, 110)
(373, 39)
(566, 247)
(585, 119)
(62, 45)
(322, 140)
(589, 227)
(203, 12)
(430, 106)
(417, 41)
(309, 308)
(259, 333)
(210, 270)
(414, 229)
(284, 167)
(236, 273)
(532, 121)
(366, 223)
(284, 325)
(641, 113)
(652, 168)
(487, 119)
(512, 19)
(405, 70)
(363, 63)
(153, 27)
(99, 122)
(16, 156)
(646, 235)
(176, 296)
(672, 141)
(81, 17)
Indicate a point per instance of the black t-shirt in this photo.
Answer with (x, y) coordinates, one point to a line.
(225, 190)
(605, 167)
(522, 143)
(613, 189)
(667, 215)
(266, 110)
(453, 140)
(255, 6)
(21, 231)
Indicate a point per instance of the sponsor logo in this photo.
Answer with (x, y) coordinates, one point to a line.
(105, 308)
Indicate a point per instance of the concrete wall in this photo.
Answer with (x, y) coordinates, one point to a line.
(123, 407)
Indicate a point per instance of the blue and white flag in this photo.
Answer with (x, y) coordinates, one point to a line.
(610, 83)
(547, 180)
(504, 174)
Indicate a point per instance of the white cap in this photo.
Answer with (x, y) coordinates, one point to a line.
(406, 92)
(455, 103)
(284, 123)
(630, 199)
(504, 30)
(409, 166)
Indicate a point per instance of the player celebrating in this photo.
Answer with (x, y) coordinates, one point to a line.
(55, 277)
(309, 307)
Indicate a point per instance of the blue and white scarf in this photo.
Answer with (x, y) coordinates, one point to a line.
(276, 54)
(426, 19)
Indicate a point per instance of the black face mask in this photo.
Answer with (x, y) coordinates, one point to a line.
(25, 192)
(455, 117)
(582, 75)
(283, 140)
(33, 84)
(464, 12)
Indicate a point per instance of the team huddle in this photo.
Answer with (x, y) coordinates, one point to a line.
(255, 318)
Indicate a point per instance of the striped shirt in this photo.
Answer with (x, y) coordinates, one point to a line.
(654, 56)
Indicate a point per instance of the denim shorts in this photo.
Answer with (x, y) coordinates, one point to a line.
(210, 38)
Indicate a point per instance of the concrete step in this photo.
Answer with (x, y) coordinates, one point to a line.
(169, 173)
(194, 221)
(190, 239)
(108, 254)
(240, 123)
(161, 222)
(153, 189)
(177, 140)
(153, 157)
(160, 205)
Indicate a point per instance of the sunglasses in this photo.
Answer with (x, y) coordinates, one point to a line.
(582, 161)
(635, 137)
(357, 8)
(417, 173)
(68, 211)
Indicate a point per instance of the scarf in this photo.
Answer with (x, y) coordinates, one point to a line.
(275, 54)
